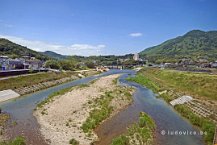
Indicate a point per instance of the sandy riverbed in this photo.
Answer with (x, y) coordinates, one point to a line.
(72, 107)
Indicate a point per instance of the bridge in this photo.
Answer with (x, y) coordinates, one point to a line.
(123, 66)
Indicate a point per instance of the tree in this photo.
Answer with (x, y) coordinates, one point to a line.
(53, 64)
(68, 64)
(90, 64)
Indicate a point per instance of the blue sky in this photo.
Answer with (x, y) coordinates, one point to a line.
(102, 27)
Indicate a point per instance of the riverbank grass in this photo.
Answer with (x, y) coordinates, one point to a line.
(29, 80)
(207, 126)
(139, 133)
(17, 141)
(73, 142)
(3, 118)
(200, 85)
(103, 107)
(51, 97)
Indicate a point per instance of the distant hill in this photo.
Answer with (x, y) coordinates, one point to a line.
(194, 44)
(54, 55)
(14, 50)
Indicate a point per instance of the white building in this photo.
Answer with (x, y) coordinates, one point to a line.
(136, 57)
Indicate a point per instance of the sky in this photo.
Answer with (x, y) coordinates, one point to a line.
(102, 27)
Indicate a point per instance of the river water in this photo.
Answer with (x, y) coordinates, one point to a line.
(166, 118)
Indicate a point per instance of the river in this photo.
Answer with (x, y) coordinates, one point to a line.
(166, 118)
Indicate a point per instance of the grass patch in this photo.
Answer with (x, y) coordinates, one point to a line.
(3, 118)
(24, 81)
(17, 141)
(203, 123)
(99, 113)
(73, 142)
(50, 98)
(140, 79)
(83, 86)
(102, 107)
(196, 84)
(140, 133)
(121, 140)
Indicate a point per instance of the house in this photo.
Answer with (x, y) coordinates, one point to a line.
(11, 64)
(34, 64)
(25, 62)
(4, 61)
(214, 64)
(15, 64)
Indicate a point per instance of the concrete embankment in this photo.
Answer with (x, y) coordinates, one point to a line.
(43, 85)
(8, 94)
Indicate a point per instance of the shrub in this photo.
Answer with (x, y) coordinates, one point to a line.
(17, 141)
(142, 132)
(73, 142)
(121, 140)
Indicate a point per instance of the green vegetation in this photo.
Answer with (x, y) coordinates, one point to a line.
(29, 80)
(98, 114)
(103, 108)
(140, 79)
(66, 64)
(17, 141)
(79, 62)
(140, 133)
(204, 86)
(50, 98)
(54, 64)
(54, 55)
(203, 123)
(58, 61)
(73, 142)
(14, 50)
(194, 45)
(92, 61)
(199, 85)
(121, 140)
(84, 85)
(3, 118)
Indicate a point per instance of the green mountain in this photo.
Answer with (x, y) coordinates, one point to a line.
(54, 55)
(14, 50)
(195, 44)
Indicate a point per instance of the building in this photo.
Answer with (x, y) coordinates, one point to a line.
(33, 64)
(4, 61)
(15, 64)
(136, 57)
(26, 62)
(214, 64)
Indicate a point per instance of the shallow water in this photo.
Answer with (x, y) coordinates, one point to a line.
(165, 117)
(21, 110)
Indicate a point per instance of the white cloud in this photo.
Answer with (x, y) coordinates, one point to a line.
(8, 25)
(137, 34)
(4, 24)
(73, 49)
